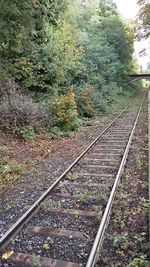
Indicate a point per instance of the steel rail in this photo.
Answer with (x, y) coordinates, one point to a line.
(17, 226)
(94, 254)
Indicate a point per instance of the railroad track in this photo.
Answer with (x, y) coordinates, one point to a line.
(65, 227)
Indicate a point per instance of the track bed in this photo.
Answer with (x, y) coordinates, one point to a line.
(65, 225)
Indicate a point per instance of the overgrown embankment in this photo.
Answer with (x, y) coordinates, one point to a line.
(61, 62)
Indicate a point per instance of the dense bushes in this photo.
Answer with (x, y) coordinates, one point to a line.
(64, 111)
(59, 45)
(85, 104)
(18, 111)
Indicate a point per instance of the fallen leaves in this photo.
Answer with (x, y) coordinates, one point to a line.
(7, 255)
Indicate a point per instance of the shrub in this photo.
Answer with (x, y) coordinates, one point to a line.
(56, 132)
(84, 104)
(18, 110)
(27, 133)
(44, 116)
(100, 102)
(64, 112)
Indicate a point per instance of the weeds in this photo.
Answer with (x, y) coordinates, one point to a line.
(146, 202)
(138, 164)
(48, 243)
(15, 240)
(45, 246)
(73, 176)
(27, 133)
(120, 222)
(140, 262)
(140, 237)
(120, 240)
(9, 173)
(11, 168)
(98, 211)
(63, 187)
(51, 205)
(36, 261)
(85, 195)
(102, 198)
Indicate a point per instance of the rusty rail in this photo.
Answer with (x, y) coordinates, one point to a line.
(95, 251)
(17, 226)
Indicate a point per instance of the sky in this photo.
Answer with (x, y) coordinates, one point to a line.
(128, 10)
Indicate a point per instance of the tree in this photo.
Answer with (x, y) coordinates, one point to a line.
(26, 21)
(50, 46)
(16, 24)
(108, 45)
(107, 8)
(143, 19)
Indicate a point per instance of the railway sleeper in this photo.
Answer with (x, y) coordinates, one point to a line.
(50, 232)
(27, 260)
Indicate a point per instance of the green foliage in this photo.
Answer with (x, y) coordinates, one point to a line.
(118, 240)
(47, 12)
(51, 205)
(27, 133)
(138, 163)
(85, 195)
(64, 111)
(15, 25)
(141, 237)
(143, 19)
(56, 132)
(146, 203)
(45, 246)
(100, 102)
(85, 104)
(52, 62)
(10, 168)
(49, 46)
(108, 45)
(24, 22)
(73, 176)
(9, 172)
(140, 262)
(107, 8)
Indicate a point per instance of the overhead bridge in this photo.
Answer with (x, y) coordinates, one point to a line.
(136, 77)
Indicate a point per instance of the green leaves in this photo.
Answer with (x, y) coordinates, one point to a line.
(51, 45)
(143, 19)
(15, 25)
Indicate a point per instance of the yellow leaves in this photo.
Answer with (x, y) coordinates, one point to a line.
(64, 110)
(7, 255)
(66, 48)
(77, 215)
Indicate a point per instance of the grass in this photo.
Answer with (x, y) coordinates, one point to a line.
(12, 166)
(120, 103)
(18, 157)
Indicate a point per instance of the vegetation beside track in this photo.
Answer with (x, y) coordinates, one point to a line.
(120, 131)
(62, 66)
(18, 156)
(58, 71)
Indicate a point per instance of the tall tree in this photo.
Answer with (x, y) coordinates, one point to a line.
(143, 19)
(16, 24)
